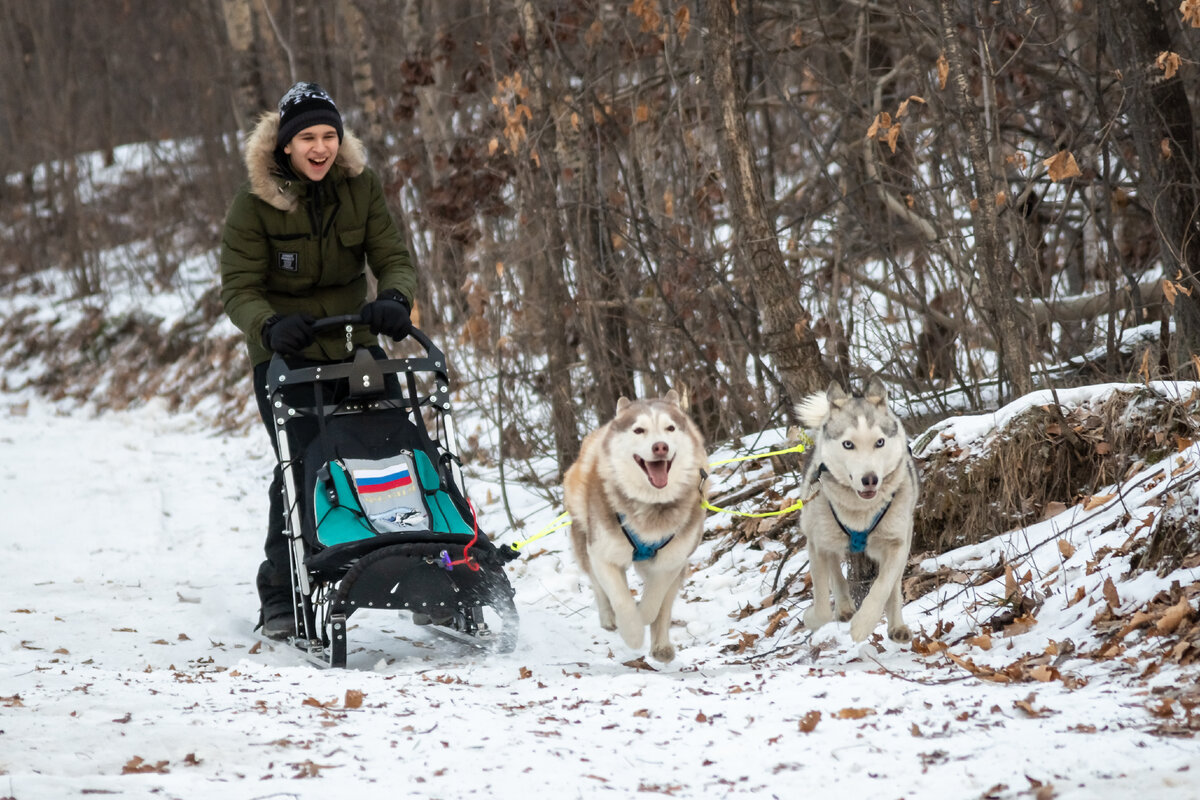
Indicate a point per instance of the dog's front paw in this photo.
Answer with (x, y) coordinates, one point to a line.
(663, 652)
(632, 631)
(901, 633)
(814, 619)
(861, 627)
(844, 614)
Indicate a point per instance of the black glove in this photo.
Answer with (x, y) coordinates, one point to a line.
(388, 315)
(288, 335)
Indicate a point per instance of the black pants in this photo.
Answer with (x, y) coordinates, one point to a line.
(274, 580)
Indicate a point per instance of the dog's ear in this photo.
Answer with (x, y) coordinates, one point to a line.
(836, 395)
(622, 403)
(672, 397)
(876, 392)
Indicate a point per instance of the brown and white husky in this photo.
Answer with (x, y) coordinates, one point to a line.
(635, 497)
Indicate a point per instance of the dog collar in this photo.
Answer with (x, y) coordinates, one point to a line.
(642, 551)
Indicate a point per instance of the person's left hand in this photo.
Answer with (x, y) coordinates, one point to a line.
(388, 315)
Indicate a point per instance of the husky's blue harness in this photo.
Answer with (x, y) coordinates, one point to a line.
(858, 539)
(642, 551)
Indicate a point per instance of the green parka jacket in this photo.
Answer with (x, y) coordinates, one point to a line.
(294, 246)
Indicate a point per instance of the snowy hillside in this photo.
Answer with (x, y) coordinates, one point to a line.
(128, 667)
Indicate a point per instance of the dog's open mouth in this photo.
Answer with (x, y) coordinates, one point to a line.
(656, 471)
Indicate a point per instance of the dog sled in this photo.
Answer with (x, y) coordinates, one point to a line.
(377, 512)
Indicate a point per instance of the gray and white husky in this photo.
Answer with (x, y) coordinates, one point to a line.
(862, 486)
(635, 498)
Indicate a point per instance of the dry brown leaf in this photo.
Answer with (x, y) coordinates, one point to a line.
(809, 721)
(640, 663)
(1027, 706)
(312, 701)
(1096, 500)
(1062, 166)
(943, 70)
(854, 713)
(354, 699)
(1169, 63)
(1164, 710)
(1171, 619)
(893, 136)
(777, 619)
(1190, 11)
(138, 765)
(309, 769)
(1110, 594)
(1043, 673)
(1011, 589)
(983, 641)
(1170, 290)
(524, 673)
(1053, 509)
(1066, 548)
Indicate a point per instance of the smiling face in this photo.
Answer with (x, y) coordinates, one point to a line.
(313, 150)
(654, 451)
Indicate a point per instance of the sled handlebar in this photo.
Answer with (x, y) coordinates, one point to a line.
(341, 320)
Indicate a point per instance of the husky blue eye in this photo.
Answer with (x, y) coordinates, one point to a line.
(849, 445)
(880, 443)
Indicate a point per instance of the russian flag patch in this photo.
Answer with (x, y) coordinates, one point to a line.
(370, 481)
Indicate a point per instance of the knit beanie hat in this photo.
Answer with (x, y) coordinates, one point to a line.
(305, 105)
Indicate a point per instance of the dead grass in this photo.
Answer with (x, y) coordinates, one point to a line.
(1044, 460)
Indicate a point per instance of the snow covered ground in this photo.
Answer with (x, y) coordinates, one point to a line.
(128, 667)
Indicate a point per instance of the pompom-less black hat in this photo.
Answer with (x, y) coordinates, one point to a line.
(305, 105)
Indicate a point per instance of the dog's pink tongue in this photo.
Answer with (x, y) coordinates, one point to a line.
(657, 471)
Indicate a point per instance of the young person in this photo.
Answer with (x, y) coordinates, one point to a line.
(298, 239)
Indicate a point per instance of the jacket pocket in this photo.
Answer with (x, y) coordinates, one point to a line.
(352, 240)
(292, 263)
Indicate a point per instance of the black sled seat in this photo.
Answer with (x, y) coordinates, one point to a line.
(377, 510)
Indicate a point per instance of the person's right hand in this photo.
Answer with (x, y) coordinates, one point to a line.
(289, 335)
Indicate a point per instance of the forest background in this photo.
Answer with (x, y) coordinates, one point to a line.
(741, 199)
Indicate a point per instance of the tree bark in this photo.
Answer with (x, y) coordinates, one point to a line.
(788, 341)
(248, 100)
(1161, 124)
(363, 80)
(551, 303)
(993, 264)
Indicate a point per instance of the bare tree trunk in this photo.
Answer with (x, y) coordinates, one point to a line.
(248, 100)
(363, 79)
(546, 272)
(603, 316)
(788, 341)
(992, 262)
(1161, 124)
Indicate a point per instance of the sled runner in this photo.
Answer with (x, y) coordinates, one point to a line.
(377, 513)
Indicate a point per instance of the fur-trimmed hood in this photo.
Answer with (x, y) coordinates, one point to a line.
(265, 181)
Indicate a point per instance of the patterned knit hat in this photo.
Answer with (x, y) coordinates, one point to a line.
(305, 105)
